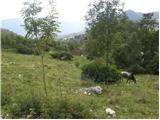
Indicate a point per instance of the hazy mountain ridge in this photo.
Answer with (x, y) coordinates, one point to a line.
(68, 29)
(135, 16)
(16, 25)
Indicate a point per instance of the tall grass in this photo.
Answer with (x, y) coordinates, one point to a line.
(25, 97)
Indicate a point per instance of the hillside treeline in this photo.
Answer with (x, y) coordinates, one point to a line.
(130, 45)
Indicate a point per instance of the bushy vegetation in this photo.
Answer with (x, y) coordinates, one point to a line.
(23, 96)
(25, 49)
(16, 42)
(26, 107)
(66, 108)
(35, 106)
(61, 55)
(132, 46)
(128, 44)
(98, 71)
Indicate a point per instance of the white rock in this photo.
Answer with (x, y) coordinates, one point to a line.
(85, 93)
(90, 90)
(97, 89)
(110, 112)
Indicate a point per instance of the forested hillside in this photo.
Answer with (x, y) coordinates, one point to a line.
(109, 71)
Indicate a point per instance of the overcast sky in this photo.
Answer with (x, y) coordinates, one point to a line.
(74, 10)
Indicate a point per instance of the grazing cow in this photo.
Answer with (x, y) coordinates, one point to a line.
(129, 76)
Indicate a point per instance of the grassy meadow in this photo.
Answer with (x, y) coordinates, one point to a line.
(21, 78)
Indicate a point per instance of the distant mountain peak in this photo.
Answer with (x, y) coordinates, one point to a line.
(67, 28)
(135, 16)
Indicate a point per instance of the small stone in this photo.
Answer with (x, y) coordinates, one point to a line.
(29, 116)
(110, 112)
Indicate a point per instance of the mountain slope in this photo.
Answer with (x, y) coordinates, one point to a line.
(135, 16)
(15, 25)
(66, 28)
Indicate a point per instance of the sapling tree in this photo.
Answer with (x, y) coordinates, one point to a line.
(40, 29)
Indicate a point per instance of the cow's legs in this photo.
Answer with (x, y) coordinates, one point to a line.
(134, 81)
(127, 80)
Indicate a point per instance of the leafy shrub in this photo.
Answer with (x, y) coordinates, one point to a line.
(90, 57)
(24, 49)
(5, 99)
(66, 108)
(77, 64)
(136, 69)
(50, 108)
(61, 55)
(101, 72)
(153, 65)
(26, 107)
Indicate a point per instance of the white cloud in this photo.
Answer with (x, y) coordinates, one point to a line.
(10, 8)
(72, 10)
(142, 5)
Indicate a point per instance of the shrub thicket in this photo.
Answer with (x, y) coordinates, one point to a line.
(26, 107)
(153, 65)
(136, 69)
(61, 55)
(66, 108)
(50, 108)
(101, 72)
(25, 49)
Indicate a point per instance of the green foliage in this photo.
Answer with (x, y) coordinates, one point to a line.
(41, 29)
(60, 108)
(130, 45)
(136, 69)
(128, 100)
(104, 20)
(100, 72)
(60, 46)
(26, 107)
(25, 50)
(148, 35)
(61, 55)
(139, 46)
(11, 40)
(153, 65)
(90, 56)
(77, 64)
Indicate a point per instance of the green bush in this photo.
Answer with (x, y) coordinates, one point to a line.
(48, 108)
(26, 107)
(101, 72)
(24, 49)
(89, 57)
(5, 99)
(66, 108)
(153, 65)
(61, 55)
(77, 64)
(136, 69)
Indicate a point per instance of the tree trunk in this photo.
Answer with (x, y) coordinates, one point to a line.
(44, 80)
